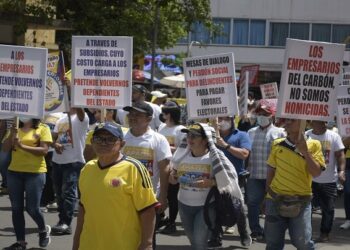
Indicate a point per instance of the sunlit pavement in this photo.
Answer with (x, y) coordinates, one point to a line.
(340, 239)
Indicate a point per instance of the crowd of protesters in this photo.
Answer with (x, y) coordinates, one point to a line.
(120, 170)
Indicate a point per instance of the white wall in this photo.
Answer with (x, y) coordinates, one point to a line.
(329, 11)
(270, 58)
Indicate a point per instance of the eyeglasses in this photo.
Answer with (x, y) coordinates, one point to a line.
(105, 140)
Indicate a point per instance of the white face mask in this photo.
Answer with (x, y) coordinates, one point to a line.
(24, 119)
(263, 121)
(225, 125)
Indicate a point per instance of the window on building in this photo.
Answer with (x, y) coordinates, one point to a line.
(200, 33)
(340, 34)
(240, 31)
(299, 31)
(223, 34)
(278, 34)
(321, 32)
(257, 32)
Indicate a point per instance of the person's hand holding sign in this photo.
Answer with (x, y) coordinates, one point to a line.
(58, 148)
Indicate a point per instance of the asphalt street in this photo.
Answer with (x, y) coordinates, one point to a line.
(340, 239)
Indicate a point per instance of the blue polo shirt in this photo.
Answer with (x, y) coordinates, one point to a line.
(237, 139)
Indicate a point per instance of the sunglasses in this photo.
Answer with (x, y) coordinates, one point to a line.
(104, 140)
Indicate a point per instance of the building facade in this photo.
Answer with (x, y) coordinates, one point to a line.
(256, 30)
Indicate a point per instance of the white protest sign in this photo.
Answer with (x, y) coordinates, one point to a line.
(346, 75)
(101, 71)
(56, 99)
(343, 110)
(22, 80)
(269, 90)
(210, 86)
(311, 73)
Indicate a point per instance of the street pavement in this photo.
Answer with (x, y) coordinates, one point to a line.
(340, 239)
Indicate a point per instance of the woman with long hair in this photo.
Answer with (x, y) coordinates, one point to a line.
(26, 174)
(172, 131)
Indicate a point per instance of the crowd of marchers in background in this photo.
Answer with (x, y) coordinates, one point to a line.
(128, 174)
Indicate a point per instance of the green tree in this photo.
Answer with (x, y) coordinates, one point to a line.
(134, 18)
(22, 12)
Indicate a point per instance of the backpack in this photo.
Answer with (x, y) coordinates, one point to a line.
(227, 209)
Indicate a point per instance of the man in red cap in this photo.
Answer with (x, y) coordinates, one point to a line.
(261, 137)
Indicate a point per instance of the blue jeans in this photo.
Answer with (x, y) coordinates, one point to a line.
(300, 229)
(32, 184)
(255, 197)
(325, 194)
(196, 229)
(5, 159)
(347, 193)
(65, 180)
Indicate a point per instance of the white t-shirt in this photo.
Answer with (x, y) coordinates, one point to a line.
(155, 123)
(122, 118)
(78, 132)
(331, 142)
(172, 134)
(149, 148)
(191, 169)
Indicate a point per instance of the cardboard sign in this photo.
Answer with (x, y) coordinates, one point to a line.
(56, 99)
(343, 110)
(22, 80)
(253, 71)
(269, 90)
(210, 86)
(101, 71)
(311, 73)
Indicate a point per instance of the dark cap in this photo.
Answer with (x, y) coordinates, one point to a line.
(110, 127)
(170, 105)
(196, 129)
(140, 88)
(141, 107)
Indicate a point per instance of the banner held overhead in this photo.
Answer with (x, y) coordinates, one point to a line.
(22, 80)
(101, 71)
(210, 86)
(311, 73)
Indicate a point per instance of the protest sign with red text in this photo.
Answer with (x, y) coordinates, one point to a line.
(343, 110)
(311, 73)
(101, 71)
(22, 80)
(269, 90)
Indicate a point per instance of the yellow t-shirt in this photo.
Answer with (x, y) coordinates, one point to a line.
(23, 161)
(347, 154)
(112, 198)
(291, 174)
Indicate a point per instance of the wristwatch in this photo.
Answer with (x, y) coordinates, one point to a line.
(228, 146)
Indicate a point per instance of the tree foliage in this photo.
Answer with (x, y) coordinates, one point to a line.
(22, 12)
(134, 18)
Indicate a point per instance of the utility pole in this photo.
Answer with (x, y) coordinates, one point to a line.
(154, 44)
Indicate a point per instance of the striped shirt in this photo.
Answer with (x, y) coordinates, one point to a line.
(261, 146)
